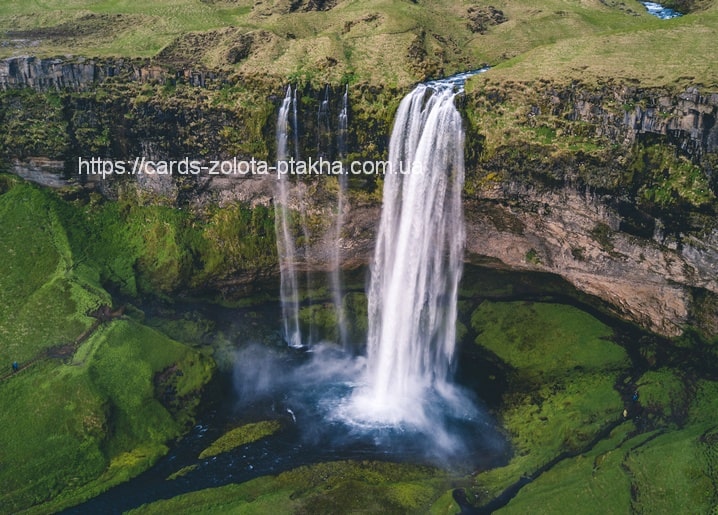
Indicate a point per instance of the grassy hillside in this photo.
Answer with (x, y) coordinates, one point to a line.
(93, 402)
(392, 42)
(652, 51)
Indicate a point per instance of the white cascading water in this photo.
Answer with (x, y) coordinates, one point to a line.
(295, 125)
(324, 129)
(343, 125)
(289, 290)
(417, 265)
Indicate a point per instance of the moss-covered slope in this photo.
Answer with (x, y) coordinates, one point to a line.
(95, 397)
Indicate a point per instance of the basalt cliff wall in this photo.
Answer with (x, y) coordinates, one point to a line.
(611, 187)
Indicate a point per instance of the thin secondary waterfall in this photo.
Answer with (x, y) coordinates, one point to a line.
(401, 394)
(343, 128)
(417, 262)
(295, 125)
(336, 274)
(324, 129)
(289, 290)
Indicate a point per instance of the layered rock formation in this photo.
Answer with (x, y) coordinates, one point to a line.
(653, 264)
(651, 281)
(79, 74)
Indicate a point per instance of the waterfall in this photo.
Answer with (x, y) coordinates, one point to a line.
(324, 130)
(288, 289)
(417, 263)
(343, 128)
(336, 274)
(295, 125)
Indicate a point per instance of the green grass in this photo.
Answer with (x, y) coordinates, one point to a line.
(137, 29)
(676, 472)
(73, 427)
(650, 473)
(51, 435)
(588, 484)
(665, 396)
(155, 249)
(239, 436)
(559, 401)
(75, 430)
(545, 341)
(371, 41)
(610, 48)
(563, 369)
(335, 487)
(45, 297)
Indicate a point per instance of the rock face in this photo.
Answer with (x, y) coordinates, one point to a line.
(688, 119)
(576, 235)
(80, 73)
(40, 170)
(591, 217)
(660, 275)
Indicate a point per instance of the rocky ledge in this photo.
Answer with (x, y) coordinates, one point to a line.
(654, 282)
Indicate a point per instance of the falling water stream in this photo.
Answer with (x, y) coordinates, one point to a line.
(289, 287)
(336, 272)
(417, 264)
(405, 379)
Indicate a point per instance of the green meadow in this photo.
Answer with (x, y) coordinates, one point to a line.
(392, 42)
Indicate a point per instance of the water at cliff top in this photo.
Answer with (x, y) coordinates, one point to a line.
(657, 10)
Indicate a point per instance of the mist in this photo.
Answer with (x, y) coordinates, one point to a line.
(318, 395)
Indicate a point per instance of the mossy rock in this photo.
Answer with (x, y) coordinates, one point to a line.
(561, 391)
(239, 436)
(545, 341)
(664, 397)
(335, 487)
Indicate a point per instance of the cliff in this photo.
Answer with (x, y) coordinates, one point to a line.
(612, 187)
(80, 73)
(687, 119)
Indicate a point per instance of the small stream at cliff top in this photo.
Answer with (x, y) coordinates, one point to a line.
(657, 10)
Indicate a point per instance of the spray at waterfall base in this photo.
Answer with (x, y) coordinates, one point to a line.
(313, 393)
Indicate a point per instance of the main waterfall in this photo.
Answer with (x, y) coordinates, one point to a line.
(417, 264)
